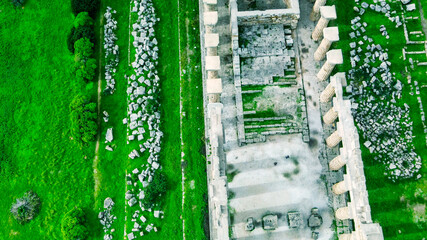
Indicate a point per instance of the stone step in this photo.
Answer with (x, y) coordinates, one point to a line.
(265, 119)
(251, 91)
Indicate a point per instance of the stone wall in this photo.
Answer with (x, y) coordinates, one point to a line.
(357, 208)
(217, 180)
(236, 71)
(360, 211)
(289, 16)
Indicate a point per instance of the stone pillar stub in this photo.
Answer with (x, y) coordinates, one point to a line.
(340, 187)
(330, 116)
(346, 236)
(343, 213)
(212, 63)
(315, 13)
(333, 57)
(325, 71)
(330, 35)
(210, 2)
(210, 18)
(337, 163)
(211, 39)
(327, 13)
(333, 139)
(327, 94)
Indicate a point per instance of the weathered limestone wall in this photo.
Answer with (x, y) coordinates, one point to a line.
(315, 13)
(236, 71)
(327, 13)
(212, 89)
(217, 188)
(289, 16)
(354, 180)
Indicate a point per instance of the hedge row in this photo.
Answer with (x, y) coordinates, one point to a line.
(80, 42)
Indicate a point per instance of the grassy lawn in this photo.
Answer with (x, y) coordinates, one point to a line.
(396, 206)
(114, 164)
(195, 205)
(36, 150)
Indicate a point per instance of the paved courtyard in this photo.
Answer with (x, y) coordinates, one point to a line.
(278, 176)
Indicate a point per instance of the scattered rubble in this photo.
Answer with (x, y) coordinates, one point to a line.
(111, 51)
(385, 125)
(143, 118)
(106, 218)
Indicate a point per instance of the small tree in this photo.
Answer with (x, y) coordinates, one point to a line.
(83, 49)
(73, 225)
(83, 19)
(85, 69)
(157, 187)
(26, 208)
(90, 6)
(85, 31)
(18, 3)
(83, 118)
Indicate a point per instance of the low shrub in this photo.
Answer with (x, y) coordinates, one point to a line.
(26, 207)
(85, 31)
(73, 225)
(156, 188)
(83, 119)
(85, 69)
(18, 3)
(90, 6)
(83, 19)
(83, 49)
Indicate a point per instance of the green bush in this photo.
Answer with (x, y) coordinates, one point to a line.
(18, 3)
(83, 19)
(85, 69)
(85, 31)
(83, 118)
(90, 6)
(26, 208)
(83, 49)
(73, 225)
(157, 187)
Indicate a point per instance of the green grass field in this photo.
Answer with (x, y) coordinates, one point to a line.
(398, 207)
(114, 164)
(36, 150)
(195, 207)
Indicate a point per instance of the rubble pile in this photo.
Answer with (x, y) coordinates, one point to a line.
(143, 118)
(111, 50)
(106, 218)
(384, 122)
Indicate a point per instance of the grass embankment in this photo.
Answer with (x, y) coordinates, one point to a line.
(398, 207)
(114, 164)
(35, 92)
(195, 205)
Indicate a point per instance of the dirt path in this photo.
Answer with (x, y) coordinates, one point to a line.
(96, 174)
